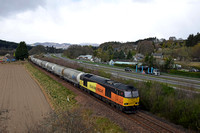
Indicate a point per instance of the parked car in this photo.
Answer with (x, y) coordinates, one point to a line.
(128, 69)
(194, 70)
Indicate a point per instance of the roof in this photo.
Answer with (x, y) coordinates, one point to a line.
(157, 54)
(85, 56)
(109, 82)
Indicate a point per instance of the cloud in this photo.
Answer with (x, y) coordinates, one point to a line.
(99, 21)
(9, 7)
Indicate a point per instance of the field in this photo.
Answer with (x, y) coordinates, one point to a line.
(22, 103)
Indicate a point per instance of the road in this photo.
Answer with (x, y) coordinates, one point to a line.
(178, 81)
(21, 99)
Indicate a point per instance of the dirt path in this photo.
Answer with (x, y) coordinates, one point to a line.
(21, 99)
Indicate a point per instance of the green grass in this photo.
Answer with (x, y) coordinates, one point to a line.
(187, 74)
(54, 56)
(105, 126)
(58, 94)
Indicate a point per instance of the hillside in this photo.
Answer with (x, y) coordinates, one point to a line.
(6, 45)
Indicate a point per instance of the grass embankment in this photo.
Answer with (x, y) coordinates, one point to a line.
(68, 116)
(187, 74)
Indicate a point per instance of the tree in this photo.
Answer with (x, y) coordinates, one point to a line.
(121, 55)
(21, 51)
(192, 40)
(129, 56)
(195, 52)
(116, 55)
(150, 61)
(37, 50)
(145, 47)
(169, 63)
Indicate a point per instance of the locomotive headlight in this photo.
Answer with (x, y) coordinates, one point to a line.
(125, 103)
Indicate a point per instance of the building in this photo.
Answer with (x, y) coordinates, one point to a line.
(158, 55)
(85, 57)
(172, 38)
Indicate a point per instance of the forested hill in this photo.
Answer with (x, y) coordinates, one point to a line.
(125, 45)
(6, 45)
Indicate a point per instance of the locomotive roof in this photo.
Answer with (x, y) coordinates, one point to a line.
(109, 82)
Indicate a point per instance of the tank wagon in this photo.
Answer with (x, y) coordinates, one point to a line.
(123, 97)
(72, 75)
(50, 66)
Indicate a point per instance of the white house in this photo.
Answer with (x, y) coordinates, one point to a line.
(85, 57)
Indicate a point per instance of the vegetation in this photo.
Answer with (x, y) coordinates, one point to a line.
(182, 73)
(21, 51)
(37, 50)
(58, 94)
(178, 106)
(145, 47)
(3, 117)
(74, 51)
(192, 40)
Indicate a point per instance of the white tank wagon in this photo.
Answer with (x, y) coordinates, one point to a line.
(58, 70)
(38, 62)
(50, 66)
(72, 75)
(44, 64)
(33, 59)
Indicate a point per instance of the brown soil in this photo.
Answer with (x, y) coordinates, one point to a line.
(21, 99)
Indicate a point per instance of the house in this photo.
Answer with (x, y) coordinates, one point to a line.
(97, 60)
(158, 55)
(138, 57)
(111, 62)
(172, 38)
(85, 57)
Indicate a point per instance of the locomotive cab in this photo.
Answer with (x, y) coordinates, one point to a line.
(131, 99)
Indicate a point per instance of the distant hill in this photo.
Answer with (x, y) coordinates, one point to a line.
(61, 45)
(6, 45)
(56, 45)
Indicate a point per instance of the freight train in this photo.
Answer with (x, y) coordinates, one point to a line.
(121, 96)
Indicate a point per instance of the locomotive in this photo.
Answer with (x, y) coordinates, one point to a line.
(121, 96)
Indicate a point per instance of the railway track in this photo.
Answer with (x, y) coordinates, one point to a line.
(151, 123)
(145, 121)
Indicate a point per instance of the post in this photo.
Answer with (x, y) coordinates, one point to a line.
(136, 69)
(142, 70)
(151, 70)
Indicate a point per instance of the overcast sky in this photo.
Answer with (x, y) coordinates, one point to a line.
(97, 21)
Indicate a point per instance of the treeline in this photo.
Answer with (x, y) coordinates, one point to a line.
(39, 49)
(7, 47)
(193, 40)
(74, 51)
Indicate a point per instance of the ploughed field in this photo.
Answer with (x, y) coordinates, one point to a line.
(22, 103)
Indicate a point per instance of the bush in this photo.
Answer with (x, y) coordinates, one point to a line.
(188, 74)
(125, 65)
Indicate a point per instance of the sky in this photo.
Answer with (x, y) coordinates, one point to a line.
(97, 21)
